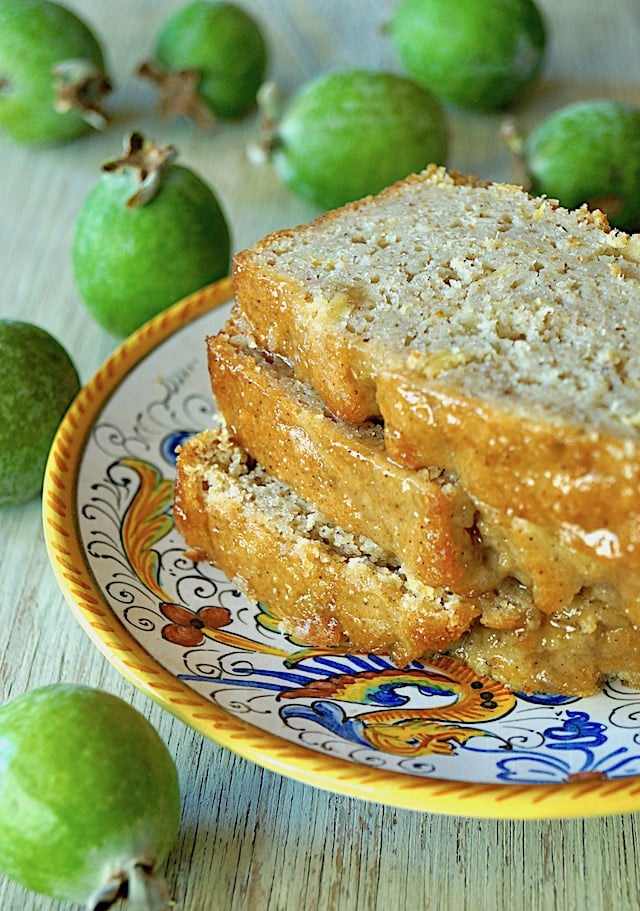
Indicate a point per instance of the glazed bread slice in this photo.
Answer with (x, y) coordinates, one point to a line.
(494, 333)
(331, 588)
(424, 517)
(328, 586)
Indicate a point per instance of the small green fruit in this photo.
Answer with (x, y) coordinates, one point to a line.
(209, 61)
(473, 54)
(589, 152)
(89, 798)
(37, 383)
(351, 133)
(52, 73)
(148, 234)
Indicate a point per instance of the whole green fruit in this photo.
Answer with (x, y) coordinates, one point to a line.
(52, 73)
(89, 797)
(148, 234)
(351, 133)
(473, 54)
(209, 61)
(38, 380)
(589, 152)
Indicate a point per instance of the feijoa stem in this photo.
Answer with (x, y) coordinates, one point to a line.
(270, 102)
(143, 889)
(81, 87)
(178, 93)
(149, 161)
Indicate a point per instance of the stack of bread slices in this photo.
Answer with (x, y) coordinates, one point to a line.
(430, 434)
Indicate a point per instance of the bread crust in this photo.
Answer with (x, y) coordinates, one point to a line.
(323, 598)
(580, 481)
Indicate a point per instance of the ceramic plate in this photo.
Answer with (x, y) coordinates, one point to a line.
(432, 737)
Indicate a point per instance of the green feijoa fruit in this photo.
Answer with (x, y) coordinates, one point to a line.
(38, 380)
(52, 73)
(209, 61)
(89, 798)
(351, 133)
(149, 233)
(589, 152)
(473, 54)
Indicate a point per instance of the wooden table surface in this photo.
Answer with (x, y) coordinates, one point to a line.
(249, 838)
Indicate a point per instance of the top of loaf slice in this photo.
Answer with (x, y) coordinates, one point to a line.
(457, 283)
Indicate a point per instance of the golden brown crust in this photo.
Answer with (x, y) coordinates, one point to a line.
(583, 482)
(246, 554)
(322, 597)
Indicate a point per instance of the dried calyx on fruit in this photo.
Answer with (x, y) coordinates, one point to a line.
(81, 86)
(147, 161)
(208, 62)
(178, 93)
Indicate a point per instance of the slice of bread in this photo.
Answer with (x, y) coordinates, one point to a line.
(328, 586)
(496, 335)
(423, 518)
(331, 588)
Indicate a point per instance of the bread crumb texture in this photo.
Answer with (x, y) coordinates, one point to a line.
(508, 297)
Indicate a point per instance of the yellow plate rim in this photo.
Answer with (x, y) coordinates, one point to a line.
(590, 797)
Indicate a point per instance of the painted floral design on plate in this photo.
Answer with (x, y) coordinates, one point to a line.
(437, 720)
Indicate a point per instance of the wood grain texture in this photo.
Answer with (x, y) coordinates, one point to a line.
(251, 839)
